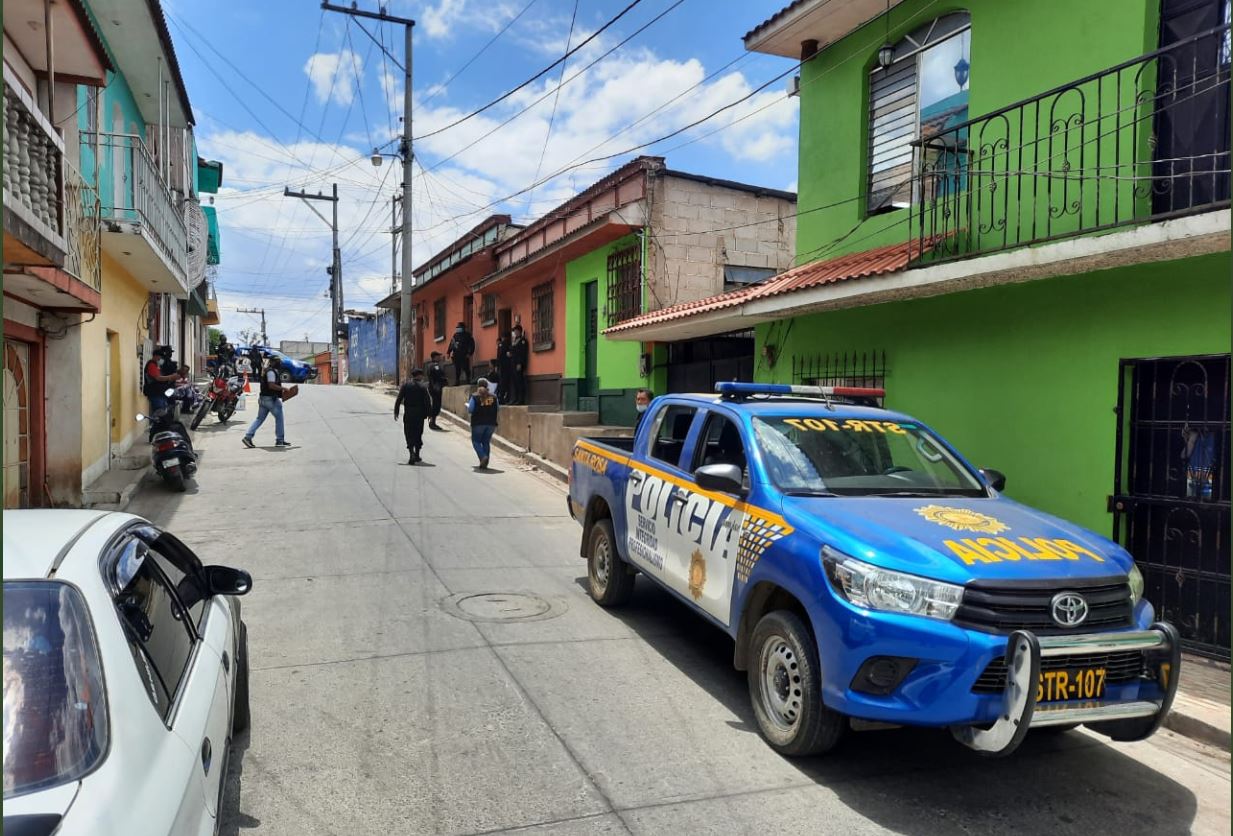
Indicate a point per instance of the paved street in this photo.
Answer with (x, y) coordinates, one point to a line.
(387, 698)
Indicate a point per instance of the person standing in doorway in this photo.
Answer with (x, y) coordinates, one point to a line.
(642, 402)
(415, 397)
(483, 408)
(436, 386)
(270, 401)
(461, 347)
(520, 354)
(505, 367)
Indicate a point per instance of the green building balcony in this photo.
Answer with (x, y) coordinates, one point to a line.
(1138, 143)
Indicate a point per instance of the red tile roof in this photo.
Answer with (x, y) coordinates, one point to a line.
(877, 262)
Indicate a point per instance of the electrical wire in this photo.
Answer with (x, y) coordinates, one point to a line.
(556, 98)
(532, 79)
(440, 88)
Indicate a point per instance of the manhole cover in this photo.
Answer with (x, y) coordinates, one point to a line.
(502, 606)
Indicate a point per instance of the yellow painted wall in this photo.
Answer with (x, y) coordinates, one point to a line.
(124, 302)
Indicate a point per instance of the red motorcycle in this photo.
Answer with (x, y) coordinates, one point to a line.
(221, 398)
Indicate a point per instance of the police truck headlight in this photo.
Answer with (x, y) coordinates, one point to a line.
(1136, 584)
(875, 588)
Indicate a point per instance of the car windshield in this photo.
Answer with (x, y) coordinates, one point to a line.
(859, 457)
(55, 708)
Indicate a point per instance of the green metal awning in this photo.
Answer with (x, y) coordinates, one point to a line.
(213, 240)
(196, 305)
(209, 176)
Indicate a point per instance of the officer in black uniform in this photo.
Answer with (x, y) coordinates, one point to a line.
(437, 382)
(414, 395)
(519, 352)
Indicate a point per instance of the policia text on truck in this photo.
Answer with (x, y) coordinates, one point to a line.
(866, 571)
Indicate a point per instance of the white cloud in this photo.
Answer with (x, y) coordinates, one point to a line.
(333, 75)
(276, 250)
(439, 21)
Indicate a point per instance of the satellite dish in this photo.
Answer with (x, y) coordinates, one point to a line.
(198, 233)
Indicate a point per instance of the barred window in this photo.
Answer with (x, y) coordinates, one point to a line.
(624, 284)
(488, 309)
(438, 319)
(541, 317)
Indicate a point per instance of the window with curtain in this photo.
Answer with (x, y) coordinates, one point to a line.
(923, 91)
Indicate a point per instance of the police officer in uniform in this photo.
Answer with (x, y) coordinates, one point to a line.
(415, 397)
(519, 353)
(437, 382)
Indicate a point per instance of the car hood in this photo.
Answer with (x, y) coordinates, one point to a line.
(958, 540)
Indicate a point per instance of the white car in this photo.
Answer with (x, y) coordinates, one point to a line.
(125, 677)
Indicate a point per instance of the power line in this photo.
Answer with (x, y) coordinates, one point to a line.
(359, 84)
(443, 85)
(555, 101)
(532, 79)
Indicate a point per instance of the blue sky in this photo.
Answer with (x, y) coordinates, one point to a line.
(337, 98)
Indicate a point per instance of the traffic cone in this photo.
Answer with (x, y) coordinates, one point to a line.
(248, 390)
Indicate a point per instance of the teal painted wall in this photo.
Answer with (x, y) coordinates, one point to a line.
(119, 114)
(1018, 49)
(616, 362)
(1023, 378)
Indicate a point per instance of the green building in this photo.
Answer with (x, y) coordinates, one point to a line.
(1014, 216)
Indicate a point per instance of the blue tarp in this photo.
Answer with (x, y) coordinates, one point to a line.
(372, 348)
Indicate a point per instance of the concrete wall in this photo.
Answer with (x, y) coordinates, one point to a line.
(124, 303)
(687, 259)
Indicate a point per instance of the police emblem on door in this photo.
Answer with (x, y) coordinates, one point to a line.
(697, 574)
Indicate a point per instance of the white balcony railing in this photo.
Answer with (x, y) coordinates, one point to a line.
(134, 192)
(32, 162)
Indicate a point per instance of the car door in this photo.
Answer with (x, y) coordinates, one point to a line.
(714, 520)
(658, 491)
(180, 674)
(207, 693)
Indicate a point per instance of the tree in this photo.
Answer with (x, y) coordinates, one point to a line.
(248, 336)
(216, 337)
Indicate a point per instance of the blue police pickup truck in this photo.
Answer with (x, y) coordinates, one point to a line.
(869, 574)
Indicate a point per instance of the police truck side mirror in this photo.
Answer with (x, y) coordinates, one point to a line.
(727, 478)
(995, 478)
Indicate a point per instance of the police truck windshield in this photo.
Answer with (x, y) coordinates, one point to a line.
(857, 457)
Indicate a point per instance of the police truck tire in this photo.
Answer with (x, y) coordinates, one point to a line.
(608, 578)
(785, 687)
(285, 377)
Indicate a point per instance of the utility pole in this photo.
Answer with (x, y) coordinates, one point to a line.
(264, 337)
(394, 230)
(406, 356)
(335, 270)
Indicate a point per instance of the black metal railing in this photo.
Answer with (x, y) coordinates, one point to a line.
(1145, 140)
(624, 284)
(854, 368)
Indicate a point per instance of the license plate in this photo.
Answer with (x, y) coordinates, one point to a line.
(171, 462)
(1076, 684)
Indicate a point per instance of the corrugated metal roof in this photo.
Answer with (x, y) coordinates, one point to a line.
(889, 259)
(773, 18)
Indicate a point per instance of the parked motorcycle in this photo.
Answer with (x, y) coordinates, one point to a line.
(170, 449)
(190, 397)
(221, 398)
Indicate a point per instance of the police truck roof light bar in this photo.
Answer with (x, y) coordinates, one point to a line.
(740, 390)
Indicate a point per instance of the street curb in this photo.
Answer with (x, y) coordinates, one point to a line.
(533, 459)
(1188, 725)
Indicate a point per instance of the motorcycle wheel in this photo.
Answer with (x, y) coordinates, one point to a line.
(175, 478)
(225, 412)
(202, 412)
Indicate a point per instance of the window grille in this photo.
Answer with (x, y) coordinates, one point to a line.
(541, 317)
(624, 284)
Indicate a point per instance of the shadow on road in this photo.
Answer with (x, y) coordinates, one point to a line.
(920, 781)
(231, 819)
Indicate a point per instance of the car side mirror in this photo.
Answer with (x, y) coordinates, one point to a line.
(223, 580)
(727, 478)
(996, 478)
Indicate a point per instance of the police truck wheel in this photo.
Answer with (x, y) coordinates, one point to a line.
(785, 687)
(285, 377)
(608, 579)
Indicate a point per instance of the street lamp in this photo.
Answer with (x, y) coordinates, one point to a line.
(376, 158)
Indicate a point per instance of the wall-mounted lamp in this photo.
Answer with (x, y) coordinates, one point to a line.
(886, 52)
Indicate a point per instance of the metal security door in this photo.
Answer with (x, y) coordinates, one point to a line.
(590, 325)
(1171, 500)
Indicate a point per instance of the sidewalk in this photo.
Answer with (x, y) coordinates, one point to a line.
(1201, 709)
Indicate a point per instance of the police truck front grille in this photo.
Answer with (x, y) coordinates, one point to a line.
(1124, 666)
(1003, 608)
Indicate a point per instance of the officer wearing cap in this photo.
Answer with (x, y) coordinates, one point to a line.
(415, 397)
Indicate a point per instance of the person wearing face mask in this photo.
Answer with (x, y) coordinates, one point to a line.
(642, 401)
(461, 347)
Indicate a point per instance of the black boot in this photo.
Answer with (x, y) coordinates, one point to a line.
(410, 457)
